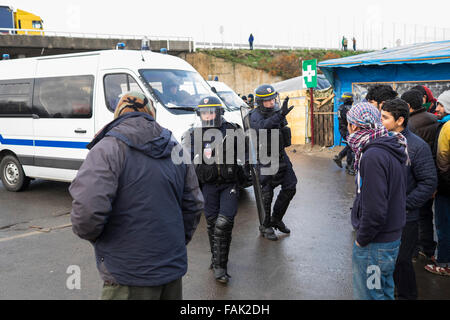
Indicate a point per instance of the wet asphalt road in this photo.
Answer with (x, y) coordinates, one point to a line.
(314, 262)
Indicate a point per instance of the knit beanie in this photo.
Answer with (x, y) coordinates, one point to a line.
(134, 102)
(444, 99)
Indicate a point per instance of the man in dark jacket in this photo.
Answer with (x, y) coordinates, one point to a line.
(347, 99)
(136, 206)
(429, 102)
(379, 93)
(423, 124)
(379, 209)
(421, 184)
(442, 201)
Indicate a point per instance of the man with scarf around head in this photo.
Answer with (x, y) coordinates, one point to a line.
(379, 210)
(219, 179)
(269, 116)
(442, 199)
(135, 205)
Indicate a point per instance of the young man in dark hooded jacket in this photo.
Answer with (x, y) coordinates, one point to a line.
(425, 125)
(422, 182)
(379, 209)
(136, 206)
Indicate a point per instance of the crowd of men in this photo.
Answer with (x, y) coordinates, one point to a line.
(393, 209)
(140, 209)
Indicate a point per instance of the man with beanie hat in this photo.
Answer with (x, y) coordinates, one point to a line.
(379, 209)
(442, 199)
(135, 205)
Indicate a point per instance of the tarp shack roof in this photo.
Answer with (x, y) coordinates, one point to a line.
(297, 84)
(429, 52)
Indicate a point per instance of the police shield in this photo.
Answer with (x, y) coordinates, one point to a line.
(252, 162)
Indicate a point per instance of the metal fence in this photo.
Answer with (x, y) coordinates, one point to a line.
(50, 33)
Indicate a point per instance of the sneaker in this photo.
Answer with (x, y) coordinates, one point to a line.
(268, 233)
(338, 161)
(443, 271)
(351, 171)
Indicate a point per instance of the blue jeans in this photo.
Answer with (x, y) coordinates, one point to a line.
(442, 222)
(373, 269)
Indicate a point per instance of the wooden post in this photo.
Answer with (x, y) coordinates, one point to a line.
(311, 92)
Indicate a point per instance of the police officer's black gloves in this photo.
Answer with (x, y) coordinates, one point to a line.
(284, 108)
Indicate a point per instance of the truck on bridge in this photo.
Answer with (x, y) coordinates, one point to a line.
(19, 19)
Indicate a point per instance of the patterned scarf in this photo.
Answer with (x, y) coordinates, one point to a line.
(365, 116)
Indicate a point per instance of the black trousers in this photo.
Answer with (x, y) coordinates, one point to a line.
(404, 275)
(348, 153)
(426, 230)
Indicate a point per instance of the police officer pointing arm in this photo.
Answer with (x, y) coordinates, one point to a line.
(268, 115)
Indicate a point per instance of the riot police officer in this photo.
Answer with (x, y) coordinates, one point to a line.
(268, 115)
(219, 182)
(347, 99)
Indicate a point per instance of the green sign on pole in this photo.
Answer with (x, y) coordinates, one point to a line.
(309, 68)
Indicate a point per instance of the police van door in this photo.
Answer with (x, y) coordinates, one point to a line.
(63, 98)
(110, 87)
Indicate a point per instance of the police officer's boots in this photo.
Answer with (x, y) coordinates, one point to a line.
(279, 209)
(266, 228)
(222, 241)
(211, 225)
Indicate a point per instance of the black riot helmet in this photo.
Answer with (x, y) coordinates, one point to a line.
(266, 92)
(347, 98)
(210, 111)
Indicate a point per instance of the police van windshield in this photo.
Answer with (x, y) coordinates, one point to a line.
(177, 89)
(231, 99)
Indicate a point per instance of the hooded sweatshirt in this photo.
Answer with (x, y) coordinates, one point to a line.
(379, 209)
(135, 205)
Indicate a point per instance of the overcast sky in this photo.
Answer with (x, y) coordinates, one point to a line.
(374, 23)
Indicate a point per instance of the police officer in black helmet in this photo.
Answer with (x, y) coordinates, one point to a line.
(268, 115)
(219, 183)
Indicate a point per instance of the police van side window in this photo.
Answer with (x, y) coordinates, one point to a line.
(63, 97)
(15, 98)
(115, 85)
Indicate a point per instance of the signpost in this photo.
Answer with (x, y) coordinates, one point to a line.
(309, 76)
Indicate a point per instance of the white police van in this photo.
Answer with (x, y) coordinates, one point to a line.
(52, 106)
(231, 100)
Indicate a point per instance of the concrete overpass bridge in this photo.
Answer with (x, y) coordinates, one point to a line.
(41, 43)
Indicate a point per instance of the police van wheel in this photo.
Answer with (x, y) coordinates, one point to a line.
(12, 175)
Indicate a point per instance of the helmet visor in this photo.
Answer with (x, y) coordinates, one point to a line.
(210, 117)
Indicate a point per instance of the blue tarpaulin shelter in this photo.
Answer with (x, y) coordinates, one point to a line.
(402, 67)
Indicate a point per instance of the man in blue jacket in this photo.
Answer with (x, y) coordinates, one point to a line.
(421, 184)
(379, 209)
(136, 206)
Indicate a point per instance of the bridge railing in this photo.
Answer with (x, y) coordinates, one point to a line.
(228, 45)
(50, 33)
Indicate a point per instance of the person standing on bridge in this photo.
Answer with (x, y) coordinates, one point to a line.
(250, 41)
(136, 206)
